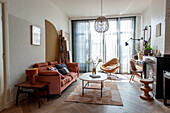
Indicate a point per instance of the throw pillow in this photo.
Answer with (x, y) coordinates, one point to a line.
(63, 71)
(52, 68)
(59, 66)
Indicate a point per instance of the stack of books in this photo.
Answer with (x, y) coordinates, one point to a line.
(95, 76)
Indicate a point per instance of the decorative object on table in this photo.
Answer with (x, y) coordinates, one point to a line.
(101, 24)
(94, 63)
(140, 55)
(158, 54)
(95, 76)
(31, 72)
(147, 48)
(135, 56)
(35, 35)
(146, 89)
(158, 30)
(111, 95)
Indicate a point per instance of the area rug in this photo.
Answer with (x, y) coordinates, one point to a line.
(111, 95)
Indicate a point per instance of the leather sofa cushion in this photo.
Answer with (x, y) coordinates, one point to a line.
(40, 65)
(52, 63)
(65, 80)
(71, 74)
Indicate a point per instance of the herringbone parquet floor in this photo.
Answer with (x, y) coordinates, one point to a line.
(129, 92)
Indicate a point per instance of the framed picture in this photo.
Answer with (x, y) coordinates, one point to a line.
(158, 30)
(35, 35)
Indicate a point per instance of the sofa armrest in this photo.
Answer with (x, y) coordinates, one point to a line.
(73, 67)
(55, 83)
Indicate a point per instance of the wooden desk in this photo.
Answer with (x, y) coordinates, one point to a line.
(36, 89)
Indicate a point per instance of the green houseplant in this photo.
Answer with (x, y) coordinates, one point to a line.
(147, 48)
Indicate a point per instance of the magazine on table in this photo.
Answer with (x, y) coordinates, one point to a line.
(95, 76)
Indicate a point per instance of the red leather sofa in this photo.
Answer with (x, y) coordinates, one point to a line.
(58, 82)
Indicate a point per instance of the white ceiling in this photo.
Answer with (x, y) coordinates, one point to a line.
(89, 8)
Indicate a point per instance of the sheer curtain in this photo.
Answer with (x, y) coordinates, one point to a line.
(87, 43)
(127, 28)
(80, 43)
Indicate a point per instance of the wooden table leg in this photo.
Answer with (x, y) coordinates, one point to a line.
(18, 92)
(38, 97)
(47, 91)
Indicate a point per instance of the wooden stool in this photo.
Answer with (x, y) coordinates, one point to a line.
(146, 89)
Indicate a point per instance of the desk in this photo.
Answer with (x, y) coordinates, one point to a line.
(37, 87)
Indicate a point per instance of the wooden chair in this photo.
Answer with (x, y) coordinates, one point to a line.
(134, 70)
(110, 66)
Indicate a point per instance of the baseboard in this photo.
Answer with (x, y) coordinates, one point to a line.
(9, 99)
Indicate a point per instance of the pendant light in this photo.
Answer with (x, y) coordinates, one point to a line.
(101, 24)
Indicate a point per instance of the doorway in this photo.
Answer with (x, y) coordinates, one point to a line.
(1, 60)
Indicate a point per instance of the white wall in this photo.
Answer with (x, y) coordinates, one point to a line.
(167, 28)
(154, 15)
(22, 14)
(158, 16)
(146, 21)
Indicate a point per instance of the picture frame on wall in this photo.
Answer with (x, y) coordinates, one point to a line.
(35, 35)
(158, 30)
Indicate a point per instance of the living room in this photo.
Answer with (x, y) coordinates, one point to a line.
(147, 20)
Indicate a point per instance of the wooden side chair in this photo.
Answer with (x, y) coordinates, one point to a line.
(134, 70)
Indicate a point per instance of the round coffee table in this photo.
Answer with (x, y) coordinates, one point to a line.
(86, 77)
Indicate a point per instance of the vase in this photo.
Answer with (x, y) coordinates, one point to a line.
(31, 79)
(93, 71)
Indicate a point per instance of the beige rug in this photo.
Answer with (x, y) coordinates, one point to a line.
(111, 95)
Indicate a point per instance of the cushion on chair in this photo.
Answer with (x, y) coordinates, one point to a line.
(65, 80)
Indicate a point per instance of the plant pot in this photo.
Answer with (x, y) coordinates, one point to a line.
(146, 52)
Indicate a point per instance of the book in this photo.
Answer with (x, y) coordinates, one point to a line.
(95, 76)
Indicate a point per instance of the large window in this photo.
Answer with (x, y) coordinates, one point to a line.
(87, 43)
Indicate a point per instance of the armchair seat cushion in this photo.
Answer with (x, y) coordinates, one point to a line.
(65, 80)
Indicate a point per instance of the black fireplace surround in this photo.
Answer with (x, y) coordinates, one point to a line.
(163, 64)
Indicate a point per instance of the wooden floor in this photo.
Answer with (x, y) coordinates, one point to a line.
(129, 92)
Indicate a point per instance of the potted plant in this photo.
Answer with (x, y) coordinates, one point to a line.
(147, 48)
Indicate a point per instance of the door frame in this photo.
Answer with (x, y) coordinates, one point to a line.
(6, 92)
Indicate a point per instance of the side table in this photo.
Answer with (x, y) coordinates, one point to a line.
(146, 89)
(37, 87)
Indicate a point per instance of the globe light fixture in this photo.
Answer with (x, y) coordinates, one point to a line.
(101, 24)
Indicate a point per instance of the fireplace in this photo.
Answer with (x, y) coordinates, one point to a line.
(153, 68)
